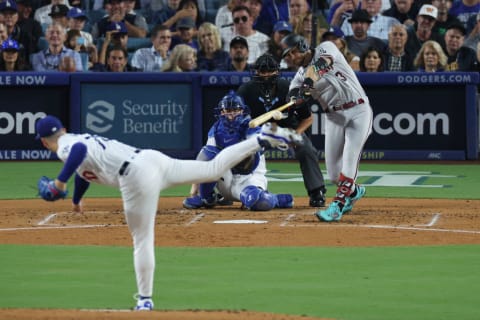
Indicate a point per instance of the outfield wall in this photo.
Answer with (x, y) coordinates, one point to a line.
(417, 116)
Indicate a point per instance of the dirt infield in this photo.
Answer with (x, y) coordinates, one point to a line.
(374, 222)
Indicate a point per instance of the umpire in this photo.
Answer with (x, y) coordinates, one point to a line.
(266, 91)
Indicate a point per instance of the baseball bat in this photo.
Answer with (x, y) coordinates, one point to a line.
(261, 119)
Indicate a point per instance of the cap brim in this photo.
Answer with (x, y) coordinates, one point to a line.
(286, 51)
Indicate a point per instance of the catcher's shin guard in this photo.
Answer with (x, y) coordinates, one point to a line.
(256, 199)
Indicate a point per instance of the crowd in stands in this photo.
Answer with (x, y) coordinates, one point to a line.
(229, 35)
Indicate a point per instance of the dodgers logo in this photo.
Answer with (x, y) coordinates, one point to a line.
(100, 116)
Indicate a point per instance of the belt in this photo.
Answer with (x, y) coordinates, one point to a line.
(348, 105)
(125, 165)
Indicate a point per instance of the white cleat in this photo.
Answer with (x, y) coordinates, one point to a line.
(274, 136)
(145, 304)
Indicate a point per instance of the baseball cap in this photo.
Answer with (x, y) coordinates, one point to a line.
(186, 23)
(428, 10)
(240, 40)
(76, 13)
(333, 31)
(8, 5)
(282, 26)
(360, 15)
(459, 26)
(47, 126)
(118, 26)
(58, 10)
(10, 45)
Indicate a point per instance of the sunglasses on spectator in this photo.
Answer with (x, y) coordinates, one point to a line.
(237, 20)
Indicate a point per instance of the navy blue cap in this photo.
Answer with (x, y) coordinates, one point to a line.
(8, 5)
(76, 13)
(118, 26)
(47, 126)
(10, 45)
(282, 26)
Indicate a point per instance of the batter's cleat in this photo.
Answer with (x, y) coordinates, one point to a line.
(284, 200)
(274, 136)
(349, 202)
(144, 304)
(332, 213)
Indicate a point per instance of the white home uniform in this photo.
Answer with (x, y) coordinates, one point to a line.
(347, 111)
(141, 175)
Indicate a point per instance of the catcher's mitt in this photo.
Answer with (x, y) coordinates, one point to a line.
(48, 191)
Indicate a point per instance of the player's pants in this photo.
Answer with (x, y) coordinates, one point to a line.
(150, 173)
(345, 135)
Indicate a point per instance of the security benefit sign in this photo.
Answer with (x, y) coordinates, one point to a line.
(144, 115)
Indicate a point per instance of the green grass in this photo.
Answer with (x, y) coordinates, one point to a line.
(458, 181)
(344, 283)
(414, 283)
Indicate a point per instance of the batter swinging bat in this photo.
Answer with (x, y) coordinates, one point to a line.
(261, 119)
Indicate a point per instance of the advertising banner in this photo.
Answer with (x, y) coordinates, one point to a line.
(26, 98)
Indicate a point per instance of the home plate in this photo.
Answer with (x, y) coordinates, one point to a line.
(240, 221)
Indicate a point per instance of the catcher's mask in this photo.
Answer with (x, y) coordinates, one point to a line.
(231, 109)
(266, 72)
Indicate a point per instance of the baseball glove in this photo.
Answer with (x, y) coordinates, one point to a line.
(48, 191)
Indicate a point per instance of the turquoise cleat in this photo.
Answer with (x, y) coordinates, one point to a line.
(349, 202)
(332, 213)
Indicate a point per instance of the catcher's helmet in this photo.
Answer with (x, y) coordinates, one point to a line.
(231, 103)
(293, 41)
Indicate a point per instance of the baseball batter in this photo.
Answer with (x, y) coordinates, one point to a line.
(140, 175)
(325, 75)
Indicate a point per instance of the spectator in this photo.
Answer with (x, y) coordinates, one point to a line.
(464, 9)
(42, 14)
(59, 14)
(153, 58)
(238, 55)
(404, 11)
(272, 11)
(140, 19)
(255, 7)
(116, 36)
(243, 26)
(26, 42)
(76, 21)
(186, 30)
(298, 9)
(444, 19)
(10, 60)
(304, 28)
(341, 11)
(223, 18)
(117, 61)
(372, 60)
(430, 58)
(182, 59)
(26, 22)
(423, 30)
(211, 56)
(395, 57)
(474, 36)
(360, 41)
(49, 59)
(280, 30)
(460, 58)
(186, 8)
(167, 12)
(380, 24)
(116, 12)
